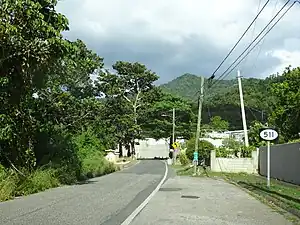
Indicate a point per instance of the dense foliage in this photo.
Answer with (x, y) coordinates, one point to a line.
(273, 101)
(56, 121)
(223, 98)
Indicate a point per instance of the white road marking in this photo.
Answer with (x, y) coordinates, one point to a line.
(131, 217)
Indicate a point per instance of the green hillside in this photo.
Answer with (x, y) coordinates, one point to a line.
(223, 98)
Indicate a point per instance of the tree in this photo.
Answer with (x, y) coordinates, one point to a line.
(31, 43)
(217, 124)
(157, 120)
(286, 114)
(253, 134)
(129, 86)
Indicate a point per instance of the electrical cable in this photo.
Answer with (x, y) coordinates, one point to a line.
(254, 27)
(260, 46)
(226, 73)
(213, 75)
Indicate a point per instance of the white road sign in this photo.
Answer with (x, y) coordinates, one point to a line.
(268, 134)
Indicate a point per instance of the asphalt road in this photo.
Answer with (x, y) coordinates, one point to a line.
(106, 200)
(205, 201)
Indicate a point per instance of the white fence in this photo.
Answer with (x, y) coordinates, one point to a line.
(234, 165)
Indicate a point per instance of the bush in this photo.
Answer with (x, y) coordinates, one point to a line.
(8, 183)
(96, 165)
(73, 159)
(223, 152)
(39, 180)
(246, 152)
(204, 149)
(183, 159)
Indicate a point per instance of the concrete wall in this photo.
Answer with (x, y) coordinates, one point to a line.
(284, 162)
(234, 165)
(151, 148)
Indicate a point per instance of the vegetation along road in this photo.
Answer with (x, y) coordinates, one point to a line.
(106, 200)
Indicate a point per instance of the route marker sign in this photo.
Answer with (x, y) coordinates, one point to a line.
(268, 134)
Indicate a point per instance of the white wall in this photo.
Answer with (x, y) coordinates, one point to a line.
(151, 148)
(216, 142)
(234, 165)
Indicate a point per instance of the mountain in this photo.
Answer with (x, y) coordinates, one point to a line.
(223, 98)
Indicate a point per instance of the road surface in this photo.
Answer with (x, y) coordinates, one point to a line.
(106, 200)
(135, 196)
(195, 201)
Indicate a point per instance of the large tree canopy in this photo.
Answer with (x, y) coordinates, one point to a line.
(286, 114)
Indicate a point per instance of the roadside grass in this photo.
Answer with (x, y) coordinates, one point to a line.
(280, 194)
(13, 184)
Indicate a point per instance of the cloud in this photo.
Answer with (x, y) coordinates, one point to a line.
(173, 37)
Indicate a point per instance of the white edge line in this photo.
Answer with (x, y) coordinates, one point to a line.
(131, 217)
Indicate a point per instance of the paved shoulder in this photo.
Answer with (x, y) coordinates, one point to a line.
(106, 200)
(187, 200)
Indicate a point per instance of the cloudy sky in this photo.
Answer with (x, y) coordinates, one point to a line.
(173, 37)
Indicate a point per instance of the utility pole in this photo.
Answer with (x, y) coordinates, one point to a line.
(173, 133)
(200, 101)
(243, 108)
(173, 138)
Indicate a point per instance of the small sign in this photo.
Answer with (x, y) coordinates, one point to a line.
(196, 156)
(268, 134)
(175, 145)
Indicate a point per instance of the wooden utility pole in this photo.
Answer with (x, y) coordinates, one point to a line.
(200, 102)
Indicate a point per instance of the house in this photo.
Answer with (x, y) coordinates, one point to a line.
(216, 138)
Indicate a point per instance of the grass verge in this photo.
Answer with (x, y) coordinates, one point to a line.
(280, 194)
(13, 184)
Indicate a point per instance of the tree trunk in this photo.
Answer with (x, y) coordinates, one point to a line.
(128, 150)
(120, 150)
(132, 147)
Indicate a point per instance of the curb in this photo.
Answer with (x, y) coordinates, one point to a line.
(127, 164)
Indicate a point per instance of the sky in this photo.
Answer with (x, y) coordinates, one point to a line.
(174, 37)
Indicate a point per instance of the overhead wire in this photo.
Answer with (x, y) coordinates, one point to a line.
(213, 74)
(260, 46)
(254, 26)
(226, 73)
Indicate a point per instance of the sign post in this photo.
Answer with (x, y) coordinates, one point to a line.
(175, 146)
(195, 160)
(268, 134)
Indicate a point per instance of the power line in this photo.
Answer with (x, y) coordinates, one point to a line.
(213, 75)
(226, 73)
(255, 44)
(254, 26)
(260, 47)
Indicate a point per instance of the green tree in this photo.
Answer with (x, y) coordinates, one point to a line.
(157, 121)
(253, 134)
(31, 43)
(217, 124)
(129, 86)
(286, 114)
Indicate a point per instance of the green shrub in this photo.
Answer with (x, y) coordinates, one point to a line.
(8, 183)
(246, 152)
(183, 159)
(96, 165)
(39, 180)
(204, 149)
(223, 152)
(87, 144)
(71, 159)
